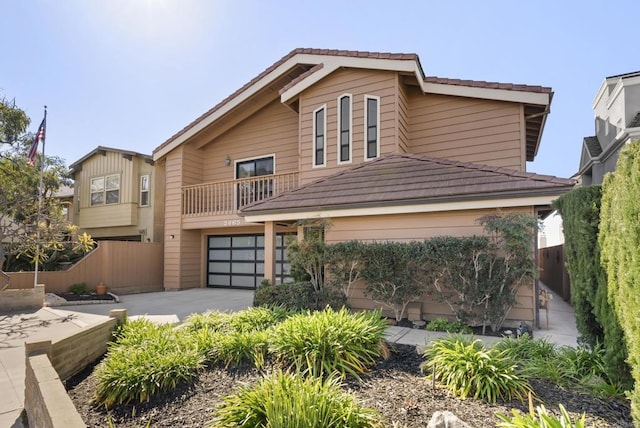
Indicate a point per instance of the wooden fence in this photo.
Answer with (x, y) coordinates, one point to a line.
(553, 271)
(125, 267)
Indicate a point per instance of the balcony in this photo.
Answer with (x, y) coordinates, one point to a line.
(228, 197)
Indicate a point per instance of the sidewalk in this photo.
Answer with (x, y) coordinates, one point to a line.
(53, 323)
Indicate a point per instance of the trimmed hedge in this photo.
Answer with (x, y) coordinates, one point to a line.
(595, 317)
(619, 240)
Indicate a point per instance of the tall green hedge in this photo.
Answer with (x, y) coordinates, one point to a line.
(580, 211)
(619, 240)
(595, 318)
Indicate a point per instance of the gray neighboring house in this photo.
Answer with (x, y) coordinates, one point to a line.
(617, 122)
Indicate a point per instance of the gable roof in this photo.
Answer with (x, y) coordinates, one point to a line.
(405, 179)
(593, 146)
(305, 66)
(635, 122)
(77, 165)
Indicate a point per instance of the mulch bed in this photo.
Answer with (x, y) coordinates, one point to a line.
(395, 387)
(70, 297)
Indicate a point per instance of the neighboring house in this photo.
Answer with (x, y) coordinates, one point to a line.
(361, 138)
(115, 197)
(617, 122)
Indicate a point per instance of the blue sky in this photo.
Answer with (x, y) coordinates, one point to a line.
(131, 73)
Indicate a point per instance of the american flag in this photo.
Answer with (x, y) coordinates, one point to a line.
(33, 151)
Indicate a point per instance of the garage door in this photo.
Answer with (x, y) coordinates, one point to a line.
(237, 261)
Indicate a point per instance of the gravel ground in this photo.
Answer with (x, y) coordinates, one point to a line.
(395, 387)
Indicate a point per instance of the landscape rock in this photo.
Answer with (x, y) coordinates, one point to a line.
(446, 419)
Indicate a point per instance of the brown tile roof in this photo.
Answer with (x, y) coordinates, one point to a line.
(354, 54)
(405, 179)
(488, 85)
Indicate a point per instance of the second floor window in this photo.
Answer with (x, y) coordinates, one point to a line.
(105, 190)
(144, 191)
(344, 127)
(371, 127)
(320, 138)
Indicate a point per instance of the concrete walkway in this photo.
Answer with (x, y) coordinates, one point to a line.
(54, 323)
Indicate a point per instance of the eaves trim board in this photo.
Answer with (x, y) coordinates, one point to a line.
(403, 209)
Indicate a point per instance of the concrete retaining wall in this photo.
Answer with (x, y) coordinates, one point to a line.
(28, 298)
(49, 363)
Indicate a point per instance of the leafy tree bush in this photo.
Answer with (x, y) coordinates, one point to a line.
(329, 342)
(395, 275)
(479, 276)
(284, 400)
(294, 295)
(619, 240)
(468, 369)
(345, 264)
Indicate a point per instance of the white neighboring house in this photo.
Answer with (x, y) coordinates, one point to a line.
(550, 233)
(617, 122)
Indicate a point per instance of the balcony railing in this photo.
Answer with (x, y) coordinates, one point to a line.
(227, 197)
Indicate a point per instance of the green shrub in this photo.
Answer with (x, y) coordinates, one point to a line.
(540, 419)
(442, 324)
(147, 360)
(284, 400)
(239, 348)
(524, 348)
(467, 368)
(215, 321)
(619, 240)
(293, 295)
(80, 288)
(327, 342)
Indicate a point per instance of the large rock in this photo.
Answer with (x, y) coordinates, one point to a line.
(446, 419)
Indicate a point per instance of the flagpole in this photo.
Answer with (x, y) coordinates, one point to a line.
(40, 191)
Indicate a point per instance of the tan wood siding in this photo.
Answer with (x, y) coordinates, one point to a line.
(272, 130)
(465, 129)
(402, 117)
(419, 226)
(358, 83)
(172, 218)
(108, 216)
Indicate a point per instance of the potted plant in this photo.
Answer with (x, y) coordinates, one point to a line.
(101, 289)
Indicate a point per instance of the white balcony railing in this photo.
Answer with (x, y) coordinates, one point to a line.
(227, 197)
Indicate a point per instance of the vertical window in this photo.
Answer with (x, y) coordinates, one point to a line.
(112, 189)
(371, 127)
(97, 191)
(344, 128)
(250, 189)
(144, 191)
(319, 133)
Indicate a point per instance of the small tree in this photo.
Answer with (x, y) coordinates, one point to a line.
(345, 263)
(394, 274)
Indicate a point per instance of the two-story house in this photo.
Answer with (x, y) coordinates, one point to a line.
(363, 139)
(617, 122)
(115, 196)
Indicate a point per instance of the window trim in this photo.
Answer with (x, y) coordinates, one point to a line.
(339, 129)
(148, 191)
(366, 117)
(314, 163)
(105, 190)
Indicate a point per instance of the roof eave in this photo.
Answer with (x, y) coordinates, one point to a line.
(444, 204)
(525, 97)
